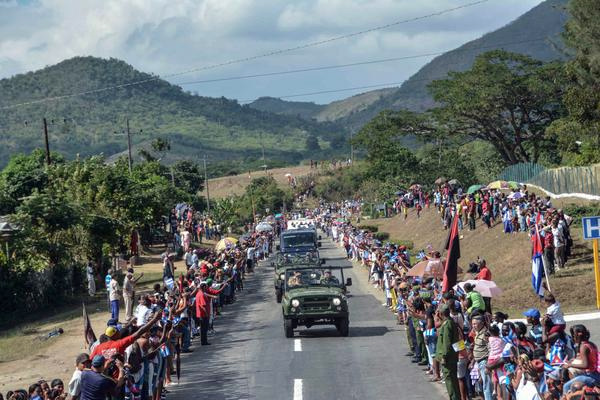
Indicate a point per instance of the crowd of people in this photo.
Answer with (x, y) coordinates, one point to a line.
(516, 209)
(454, 335)
(138, 355)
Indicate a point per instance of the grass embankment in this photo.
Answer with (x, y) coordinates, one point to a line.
(509, 258)
(236, 185)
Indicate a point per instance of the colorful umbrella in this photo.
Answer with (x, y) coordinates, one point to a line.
(429, 268)
(225, 243)
(503, 185)
(516, 196)
(485, 288)
(474, 188)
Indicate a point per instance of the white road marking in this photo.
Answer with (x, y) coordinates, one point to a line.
(297, 345)
(297, 389)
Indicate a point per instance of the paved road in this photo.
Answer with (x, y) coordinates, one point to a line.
(250, 358)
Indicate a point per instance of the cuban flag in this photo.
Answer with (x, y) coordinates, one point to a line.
(537, 265)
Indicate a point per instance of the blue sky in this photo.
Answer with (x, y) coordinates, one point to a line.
(166, 36)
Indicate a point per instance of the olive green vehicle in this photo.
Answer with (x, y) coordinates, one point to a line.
(315, 295)
(284, 261)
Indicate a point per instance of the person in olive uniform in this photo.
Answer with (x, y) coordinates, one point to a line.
(448, 358)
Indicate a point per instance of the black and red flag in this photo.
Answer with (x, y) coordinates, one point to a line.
(88, 333)
(453, 247)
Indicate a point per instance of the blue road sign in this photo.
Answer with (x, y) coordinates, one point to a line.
(591, 227)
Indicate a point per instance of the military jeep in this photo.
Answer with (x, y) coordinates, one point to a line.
(284, 261)
(315, 295)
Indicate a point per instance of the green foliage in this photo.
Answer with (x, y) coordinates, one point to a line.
(370, 228)
(506, 99)
(578, 133)
(312, 144)
(381, 236)
(577, 211)
(341, 184)
(193, 124)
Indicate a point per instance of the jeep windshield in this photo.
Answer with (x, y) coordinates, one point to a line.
(314, 277)
(310, 257)
(299, 239)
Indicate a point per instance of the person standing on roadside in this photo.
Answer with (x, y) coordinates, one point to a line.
(445, 352)
(74, 388)
(129, 292)
(480, 352)
(95, 385)
(90, 273)
(114, 296)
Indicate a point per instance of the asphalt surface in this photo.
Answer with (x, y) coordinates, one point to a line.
(250, 358)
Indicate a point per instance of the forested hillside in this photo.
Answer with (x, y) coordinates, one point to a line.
(94, 122)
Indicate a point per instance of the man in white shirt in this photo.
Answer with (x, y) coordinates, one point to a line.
(250, 258)
(143, 312)
(114, 296)
(81, 362)
(559, 244)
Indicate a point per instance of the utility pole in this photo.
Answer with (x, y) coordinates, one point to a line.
(172, 176)
(129, 147)
(48, 161)
(262, 144)
(206, 185)
(351, 148)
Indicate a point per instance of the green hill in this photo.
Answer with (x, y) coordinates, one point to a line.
(195, 125)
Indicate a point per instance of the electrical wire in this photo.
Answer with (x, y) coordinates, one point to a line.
(245, 59)
(368, 62)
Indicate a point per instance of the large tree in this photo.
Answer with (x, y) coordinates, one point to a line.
(506, 99)
(578, 134)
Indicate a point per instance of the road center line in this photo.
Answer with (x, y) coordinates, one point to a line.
(297, 389)
(297, 345)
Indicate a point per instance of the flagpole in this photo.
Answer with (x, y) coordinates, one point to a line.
(537, 237)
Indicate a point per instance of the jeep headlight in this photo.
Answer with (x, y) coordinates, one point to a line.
(295, 303)
(282, 277)
(336, 301)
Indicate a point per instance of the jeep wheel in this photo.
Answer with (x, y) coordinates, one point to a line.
(343, 326)
(288, 327)
(278, 295)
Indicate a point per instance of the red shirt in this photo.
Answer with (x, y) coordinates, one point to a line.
(201, 305)
(484, 274)
(112, 347)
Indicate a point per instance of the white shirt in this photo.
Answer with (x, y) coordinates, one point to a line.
(74, 387)
(114, 290)
(142, 314)
(556, 314)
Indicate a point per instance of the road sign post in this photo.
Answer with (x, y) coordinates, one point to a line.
(591, 231)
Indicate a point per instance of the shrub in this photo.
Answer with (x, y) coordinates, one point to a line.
(370, 228)
(382, 236)
(577, 211)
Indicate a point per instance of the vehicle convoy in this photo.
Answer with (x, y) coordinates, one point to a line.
(315, 296)
(289, 260)
(299, 241)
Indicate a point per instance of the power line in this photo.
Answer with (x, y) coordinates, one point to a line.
(246, 59)
(368, 62)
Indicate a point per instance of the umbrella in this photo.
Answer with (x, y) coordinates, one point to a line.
(225, 243)
(288, 175)
(429, 268)
(485, 288)
(415, 186)
(263, 227)
(278, 216)
(474, 188)
(516, 196)
(503, 185)
(453, 182)
(440, 180)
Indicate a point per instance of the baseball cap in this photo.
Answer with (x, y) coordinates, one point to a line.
(532, 313)
(112, 322)
(98, 361)
(110, 331)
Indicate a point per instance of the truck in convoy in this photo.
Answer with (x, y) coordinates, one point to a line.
(299, 241)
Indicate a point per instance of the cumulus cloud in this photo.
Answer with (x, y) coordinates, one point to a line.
(164, 36)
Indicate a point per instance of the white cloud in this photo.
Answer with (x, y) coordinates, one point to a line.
(164, 36)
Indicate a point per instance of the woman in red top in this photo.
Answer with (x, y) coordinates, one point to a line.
(584, 367)
(203, 298)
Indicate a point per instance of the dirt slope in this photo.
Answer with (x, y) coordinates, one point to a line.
(509, 258)
(236, 184)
